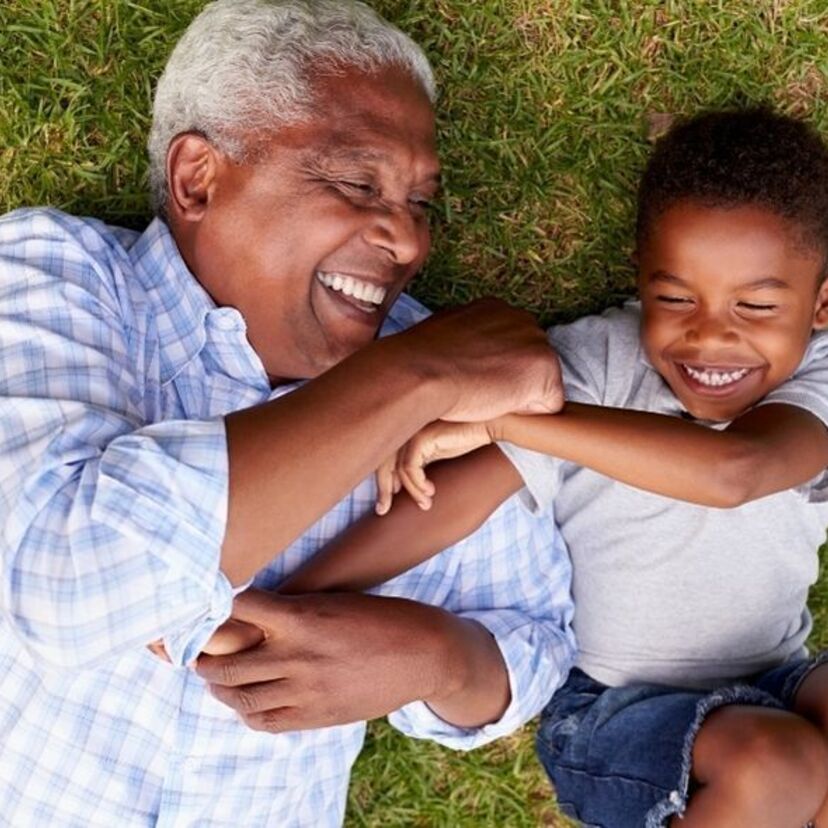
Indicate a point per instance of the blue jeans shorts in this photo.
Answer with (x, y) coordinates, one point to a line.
(619, 757)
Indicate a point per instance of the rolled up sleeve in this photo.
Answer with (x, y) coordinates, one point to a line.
(513, 576)
(112, 523)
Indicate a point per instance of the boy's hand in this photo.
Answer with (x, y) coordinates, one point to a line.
(438, 441)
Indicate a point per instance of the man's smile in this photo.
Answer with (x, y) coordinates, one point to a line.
(357, 298)
(360, 293)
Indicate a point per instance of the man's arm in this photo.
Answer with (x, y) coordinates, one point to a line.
(291, 460)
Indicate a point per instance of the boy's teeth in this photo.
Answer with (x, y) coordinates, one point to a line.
(348, 286)
(716, 378)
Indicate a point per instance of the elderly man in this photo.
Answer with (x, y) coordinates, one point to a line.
(152, 460)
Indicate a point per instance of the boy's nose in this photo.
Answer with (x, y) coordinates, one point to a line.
(710, 327)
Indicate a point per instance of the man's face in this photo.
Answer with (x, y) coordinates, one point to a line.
(314, 242)
(729, 300)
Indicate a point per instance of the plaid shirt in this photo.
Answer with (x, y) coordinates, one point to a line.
(117, 370)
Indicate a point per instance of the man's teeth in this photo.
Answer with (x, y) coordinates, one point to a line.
(716, 378)
(348, 286)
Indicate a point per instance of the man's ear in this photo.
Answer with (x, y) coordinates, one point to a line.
(821, 307)
(192, 164)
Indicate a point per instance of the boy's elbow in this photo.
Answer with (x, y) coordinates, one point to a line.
(735, 476)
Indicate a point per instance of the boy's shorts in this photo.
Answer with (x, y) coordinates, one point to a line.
(619, 757)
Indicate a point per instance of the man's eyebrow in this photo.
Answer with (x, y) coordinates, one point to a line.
(349, 154)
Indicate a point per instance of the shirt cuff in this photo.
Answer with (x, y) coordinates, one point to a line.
(532, 679)
(419, 721)
(184, 646)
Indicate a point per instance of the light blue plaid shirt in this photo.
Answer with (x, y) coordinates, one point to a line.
(116, 371)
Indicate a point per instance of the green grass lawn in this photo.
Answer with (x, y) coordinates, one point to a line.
(546, 108)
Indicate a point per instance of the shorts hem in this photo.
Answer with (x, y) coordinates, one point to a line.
(675, 803)
(794, 681)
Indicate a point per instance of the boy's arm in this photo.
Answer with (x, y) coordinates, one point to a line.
(374, 549)
(768, 449)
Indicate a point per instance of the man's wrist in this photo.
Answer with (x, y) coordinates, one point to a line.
(428, 372)
(472, 686)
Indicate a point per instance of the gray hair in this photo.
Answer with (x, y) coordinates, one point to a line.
(243, 67)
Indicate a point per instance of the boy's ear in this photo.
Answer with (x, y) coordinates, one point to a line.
(821, 307)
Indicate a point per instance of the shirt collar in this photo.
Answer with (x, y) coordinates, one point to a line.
(178, 303)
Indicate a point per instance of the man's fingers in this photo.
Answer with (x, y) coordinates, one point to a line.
(248, 667)
(258, 607)
(283, 720)
(232, 637)
(254, 698)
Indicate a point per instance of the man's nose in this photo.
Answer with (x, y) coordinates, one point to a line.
(396, 231)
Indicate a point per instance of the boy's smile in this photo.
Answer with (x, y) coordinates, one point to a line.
(730, 296)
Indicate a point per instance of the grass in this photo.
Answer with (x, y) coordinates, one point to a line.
(545, 111)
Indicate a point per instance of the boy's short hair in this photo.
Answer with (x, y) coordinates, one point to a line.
(733, 157)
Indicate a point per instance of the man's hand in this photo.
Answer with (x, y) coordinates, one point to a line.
(496, 357)
(406, 469)
(330, 659)
(232, 637)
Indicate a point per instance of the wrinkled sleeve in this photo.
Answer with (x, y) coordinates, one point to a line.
(808, 389)
(111, 525)
(513, 577)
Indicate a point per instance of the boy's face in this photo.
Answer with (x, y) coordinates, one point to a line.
(729, 300)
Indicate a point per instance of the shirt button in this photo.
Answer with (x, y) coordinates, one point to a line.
(227, 319)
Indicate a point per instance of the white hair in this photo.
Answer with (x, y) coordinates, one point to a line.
(243, 67)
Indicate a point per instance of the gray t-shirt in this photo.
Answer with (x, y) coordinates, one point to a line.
(667, 591)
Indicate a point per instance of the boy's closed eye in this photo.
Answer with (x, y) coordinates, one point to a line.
(674, 300)
(759, 307)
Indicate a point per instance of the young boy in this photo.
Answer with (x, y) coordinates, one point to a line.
(693, 703)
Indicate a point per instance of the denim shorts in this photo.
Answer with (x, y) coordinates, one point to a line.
(619, 757)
